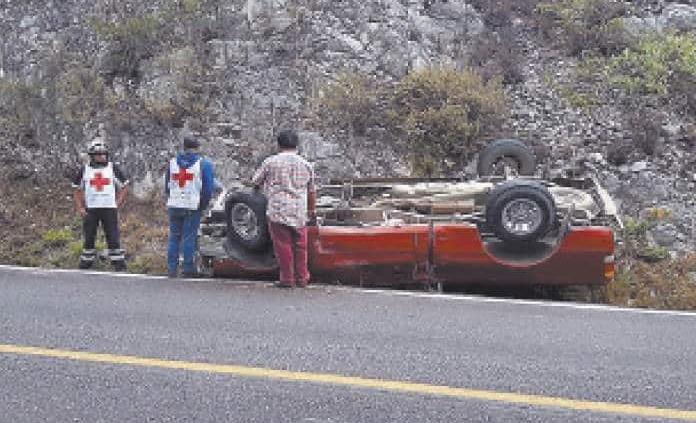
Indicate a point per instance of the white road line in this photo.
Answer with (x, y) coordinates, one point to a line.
(482, 299)
(386, 292)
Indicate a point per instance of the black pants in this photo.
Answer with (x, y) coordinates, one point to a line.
(108, 218)
(109, 221)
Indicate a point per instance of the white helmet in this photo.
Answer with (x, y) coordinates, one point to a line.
(98, 146)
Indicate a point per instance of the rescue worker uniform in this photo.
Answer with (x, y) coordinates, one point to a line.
(100, 182)
(189, 185)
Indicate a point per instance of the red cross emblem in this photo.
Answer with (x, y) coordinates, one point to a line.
(182, 177)
(99, 182)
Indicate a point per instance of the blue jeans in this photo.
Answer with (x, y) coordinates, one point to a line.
(183, 235)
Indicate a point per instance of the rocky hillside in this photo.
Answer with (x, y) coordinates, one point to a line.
(234, 71)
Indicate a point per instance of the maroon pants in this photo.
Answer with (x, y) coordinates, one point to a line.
(290, 247)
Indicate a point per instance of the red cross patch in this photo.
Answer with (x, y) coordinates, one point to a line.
(99, 182)
(182, 177)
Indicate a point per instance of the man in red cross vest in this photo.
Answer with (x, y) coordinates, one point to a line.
(100, 189)
(189, 184)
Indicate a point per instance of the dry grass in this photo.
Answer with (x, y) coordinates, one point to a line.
(144, 230)
(669, 284)
(40, 228)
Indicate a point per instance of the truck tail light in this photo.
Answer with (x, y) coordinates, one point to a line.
(609, 268)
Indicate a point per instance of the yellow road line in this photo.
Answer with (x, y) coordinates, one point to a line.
(357, 382)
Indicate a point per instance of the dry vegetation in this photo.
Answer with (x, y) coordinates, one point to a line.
(647, 275)
(666, 284)
(438, 113)
(45, 231)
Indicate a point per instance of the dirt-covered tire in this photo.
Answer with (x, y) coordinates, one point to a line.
(246, 220)
(520, 211)
(512, 152)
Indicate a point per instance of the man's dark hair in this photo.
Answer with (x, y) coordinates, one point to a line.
(190, 142)
(287, 139)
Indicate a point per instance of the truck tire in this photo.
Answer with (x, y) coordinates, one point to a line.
(509, 152)
(520, 211)
(246, 220)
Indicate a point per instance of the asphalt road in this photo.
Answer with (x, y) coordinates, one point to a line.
(131, 349)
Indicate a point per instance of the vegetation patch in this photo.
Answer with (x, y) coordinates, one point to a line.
(20, 110)
(350, 102)
(500, 13)
(46, 232)
(131, 41)
(663, 65)
(496, 54)
(81, 94)
(438, 113)
(585, 26)
(134, 39)
(668, 284)
(57, 237)
(647, 275)
(179, 91)
(636, 243)
(442, 112)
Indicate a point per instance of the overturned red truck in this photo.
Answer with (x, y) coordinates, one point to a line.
(503, 228)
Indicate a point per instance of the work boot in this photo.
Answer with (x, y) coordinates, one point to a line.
(87, 258)
(85, 264)
(118, 259)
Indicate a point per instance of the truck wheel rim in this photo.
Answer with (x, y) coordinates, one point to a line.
(244, 221)
(521, 216)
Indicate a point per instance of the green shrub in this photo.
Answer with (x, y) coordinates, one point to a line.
(646, 128)
(586, 25)
(75, 248)
(148, 264)
(184, 95)
(189, 6)
(579, 99)
(659, 64)
(57, 237)
(636, 244)
(130, 41)
(140, 37)
(20, 109)
(350, 102)
(29, 256)
(441, 112)
(80, 94)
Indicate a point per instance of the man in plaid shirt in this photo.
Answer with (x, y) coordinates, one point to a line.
(287, 181)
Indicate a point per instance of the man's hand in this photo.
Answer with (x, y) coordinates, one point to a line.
(79, 200)
(121, 197)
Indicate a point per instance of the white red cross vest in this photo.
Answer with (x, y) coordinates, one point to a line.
(100, 187)
(184, 186)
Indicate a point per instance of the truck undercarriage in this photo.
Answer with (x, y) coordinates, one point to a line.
(494, 230)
